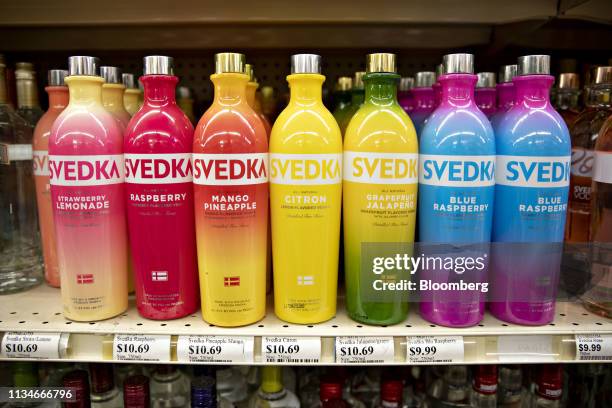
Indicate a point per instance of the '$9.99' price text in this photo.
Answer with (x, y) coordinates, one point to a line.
(423, 351)
(589, 347)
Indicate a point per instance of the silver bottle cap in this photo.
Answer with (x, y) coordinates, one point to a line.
(506, 73)
(83, 66)
(603, 75)
(55, 77)
(128, 81)
(534, 65)
(305, 64)
(111, 75)
(183, 92)
(424, 79)
(486, 80)
(458, 64)
(158, 65)
(406, 84)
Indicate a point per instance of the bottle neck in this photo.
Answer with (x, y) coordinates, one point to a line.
(423, 97)
(343, 96)
(505, 95)
(3, 90)
(381, 88)
(485, 97)
(159, 90)
(250, 93)
(27, 93)
(230, 88)
(357, 96)
(566, 99)
(85, 89)
(58, 97)
(306, 89)
(458, 89)
(599, 96)
(112, 96)
(533, 91)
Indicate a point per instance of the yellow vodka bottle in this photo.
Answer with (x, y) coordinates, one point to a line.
(306, 192)
(380, 196)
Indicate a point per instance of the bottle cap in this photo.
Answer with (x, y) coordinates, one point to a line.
(158, 65)
(381, 62)
(358, 80)
(128, 80)
(102, 377)
(424, 79)
(24, 66)
(506, 73)
(229, 62)
(55, 77)
(406, 84)
(111, 75)
(391, 390)
(330, 389)
(203, 392)
(485, 379)
(549, 381)
(83, 66)
(305, 64)
(344, 84)
(248, 69)
(458, 64)
(182, 92)
(486, 80)
(534, 65)
(569, 80)
(79, 382)
(136, 391)
(603, 75)
(24, 70)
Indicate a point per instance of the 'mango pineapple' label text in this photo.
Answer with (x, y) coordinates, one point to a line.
(306, 169)
(381, 168)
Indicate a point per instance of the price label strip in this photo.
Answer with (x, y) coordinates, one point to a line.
(435, 349)
(291, 349)
(365, 350)
(141, 347)
(536, 348)
(594, 347)
(215, 349)
(40, 346)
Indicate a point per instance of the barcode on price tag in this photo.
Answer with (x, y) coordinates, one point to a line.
(141, 347)
(365, 350)
(291, 349)
(435, 349)
(215, 349)
(31, 345)
(594, 347)
(522, 348)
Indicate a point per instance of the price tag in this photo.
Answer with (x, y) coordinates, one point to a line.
(365, 350)
(141, 347)
(291, 349)
(438, 349)
(31, 345)
(215, 349)
(522, 348)
(594, 347)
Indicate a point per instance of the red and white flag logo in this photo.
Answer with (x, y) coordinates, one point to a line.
(231, 281)
(85, 278)
(159, 276)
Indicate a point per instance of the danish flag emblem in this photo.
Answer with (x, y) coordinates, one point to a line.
(85, 278)
(231, 281)
(159, 276)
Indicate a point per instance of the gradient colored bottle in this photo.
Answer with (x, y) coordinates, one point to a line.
(112, 94)
(532, 184)
(159, 191)
(58, 100)
(252, 99)
(88, 196)
(456, 189)
(342, 99)
(404, 96)
(357, 97)
(131, 96)
(486, 95)
(505, 93)
(380, 195)
(230, 175)
(305, 201)
(424, 102)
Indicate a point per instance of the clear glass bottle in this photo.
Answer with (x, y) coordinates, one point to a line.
(78, 380)
(567, 97)
(330, 393)
(272, 393)
(452, 387)
(484, 387)
(104, 394)
(391, 394)
(548, 386)
(169, 388)
(136, 392)
(232, 386)
(204, 393)
(21, 263)
(28, 106)
(510, 386)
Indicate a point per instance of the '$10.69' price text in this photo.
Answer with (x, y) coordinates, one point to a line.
(423, 351)
(133, 348)
(21, 348)
(204, 350)
(589, 347)
(356, 351)
(282, 349)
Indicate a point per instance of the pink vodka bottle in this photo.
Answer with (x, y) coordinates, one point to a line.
(159, 192)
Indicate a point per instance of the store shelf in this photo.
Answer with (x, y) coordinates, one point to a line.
(39, 310)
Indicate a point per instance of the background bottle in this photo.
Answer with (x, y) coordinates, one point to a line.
(404, 96)
(169, 387)
(204, 392)
(567, 97)
(231, 200)
(272, 393)
(104, 394)
(28, 106)
(424, 102)
(159, 191)
(357, 97)
(112, 94)
(484, 387)
(505, 93)
(131, 96)
(305, 200)
(436, 85)
(79, 381)
(136, 392)
(485, 94)
(548, 386)
(58, 100)
(88, 197)
(380, 193)
(184, 99)
(456, 189)
(21, 265)
(342, 98)
(532, 183)
(252, 99)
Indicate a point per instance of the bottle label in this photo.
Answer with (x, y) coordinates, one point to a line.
(381, 168)
(230, 169)
(457, 171)
(79, 171)
(300, 350)
(365, 350)
(435, 349)
(29, 345)
(40, 163)
(533, 171)
(582, 162)
(594, 347)
(516, 349)
(167, 168)
(15, 152)
(141, 347)
(305, 169)
(215, 349)
(602, 171)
